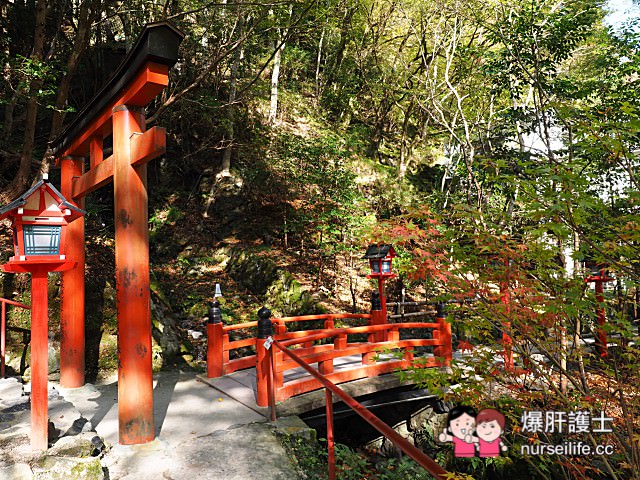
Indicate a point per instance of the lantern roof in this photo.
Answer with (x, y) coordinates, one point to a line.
(378, 251)
(62, 203)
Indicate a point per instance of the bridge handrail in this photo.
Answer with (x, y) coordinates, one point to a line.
(379, 338)
(412, 451)
(354, 330)
(3, 329)
(220, 344)
(301, 318)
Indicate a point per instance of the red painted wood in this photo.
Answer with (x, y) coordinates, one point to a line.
(331, 454)
(3, 338)
(94, 179)
(15, 304)
(135, 382)
(240, 326)
(262, 373)
(311, 355)
(215, 359)
(144, 148)
(39, 359)
(96, 154)
(418, 455)
(240, 364)
(72, 326)
(51, 263)
(245, 342)
(151, 80)
(305, 384)
(507, 343)
(601, 343)
(445, 349)
(149, 145)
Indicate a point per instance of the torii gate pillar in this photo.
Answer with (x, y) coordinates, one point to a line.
(72, 299)
(135, 382)
(118, 110)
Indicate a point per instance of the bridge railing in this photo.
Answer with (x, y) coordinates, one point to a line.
(269, 362)
(380, 338)
(220, 344)
(3, 330)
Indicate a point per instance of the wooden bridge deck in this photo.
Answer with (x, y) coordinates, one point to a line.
(241, 386)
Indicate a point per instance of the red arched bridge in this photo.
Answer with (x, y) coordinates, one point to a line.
(342, 353)
(367, 347)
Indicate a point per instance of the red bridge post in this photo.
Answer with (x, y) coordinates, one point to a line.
(263, 357)
(378, 316)
(443, 334)
(215, 337)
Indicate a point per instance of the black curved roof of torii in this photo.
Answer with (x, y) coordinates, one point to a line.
(157, 43)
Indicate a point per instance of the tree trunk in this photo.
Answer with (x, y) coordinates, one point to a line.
(318, 62)
(275, 77)
(24, 170)
(85, 19)
(231, 112)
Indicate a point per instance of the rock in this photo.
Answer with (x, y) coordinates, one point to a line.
(293, 426)
(54, 355)
(65, 468)
(11, 393)
(252, 271)
(18, 471)
(82, 445)
(287, 298)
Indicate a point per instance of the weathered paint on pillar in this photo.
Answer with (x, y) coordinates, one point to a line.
(72, 326)
(135, 382)
(39, 359)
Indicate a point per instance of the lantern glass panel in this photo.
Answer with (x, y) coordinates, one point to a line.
(42, 239)
(375, 266)
(386, 266)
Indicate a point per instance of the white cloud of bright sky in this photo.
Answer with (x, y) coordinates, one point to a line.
(620, 12)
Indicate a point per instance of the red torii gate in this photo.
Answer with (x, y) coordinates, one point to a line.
(118, 110)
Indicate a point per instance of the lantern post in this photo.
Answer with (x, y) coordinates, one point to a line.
(40, 219)
(599, 276)
(380, 258)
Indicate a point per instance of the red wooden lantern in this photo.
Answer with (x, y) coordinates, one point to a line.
(39, 219)
(380, 258)
(381, 261)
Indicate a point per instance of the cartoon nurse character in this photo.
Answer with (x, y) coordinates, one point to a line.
(461, 423)
(489, 427)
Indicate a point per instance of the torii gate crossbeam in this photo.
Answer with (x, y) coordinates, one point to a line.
(118, 110)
